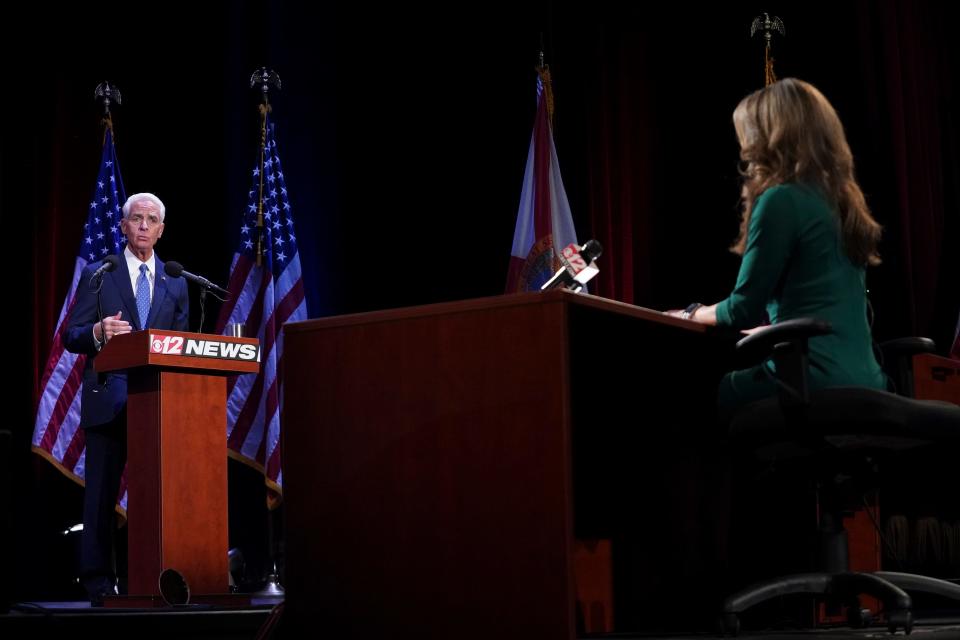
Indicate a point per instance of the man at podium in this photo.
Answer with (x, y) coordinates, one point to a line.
(123, 293)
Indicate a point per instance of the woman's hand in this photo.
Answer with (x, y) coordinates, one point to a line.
(750, 332)
(697, 312)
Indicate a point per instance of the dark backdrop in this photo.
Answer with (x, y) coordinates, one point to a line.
(403, 132)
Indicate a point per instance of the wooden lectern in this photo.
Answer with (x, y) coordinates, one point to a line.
(440, 463)
(176, 452)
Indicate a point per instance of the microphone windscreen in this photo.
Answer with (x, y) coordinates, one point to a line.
(173, 269)
(111, 262)
(591, 251)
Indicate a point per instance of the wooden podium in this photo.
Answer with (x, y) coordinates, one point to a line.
(441, 461)
(176, 452)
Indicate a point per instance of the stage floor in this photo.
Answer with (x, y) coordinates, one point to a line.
(34, 620)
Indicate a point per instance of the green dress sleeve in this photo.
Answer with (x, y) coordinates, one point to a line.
(771, 235)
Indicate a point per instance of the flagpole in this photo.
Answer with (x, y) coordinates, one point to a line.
(107, 94)
(767, 25)
(266, 77)
(544, 71)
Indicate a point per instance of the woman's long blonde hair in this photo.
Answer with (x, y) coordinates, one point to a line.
(789, 132)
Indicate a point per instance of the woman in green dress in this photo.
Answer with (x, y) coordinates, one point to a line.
(806, 238)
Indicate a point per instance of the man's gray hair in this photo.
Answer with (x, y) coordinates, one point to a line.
(143, 196)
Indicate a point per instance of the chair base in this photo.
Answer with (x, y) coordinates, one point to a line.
(845, 587)
(923, 584)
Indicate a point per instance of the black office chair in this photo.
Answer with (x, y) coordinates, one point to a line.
(842, 432)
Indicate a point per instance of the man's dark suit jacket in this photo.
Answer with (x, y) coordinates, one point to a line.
(100, 403)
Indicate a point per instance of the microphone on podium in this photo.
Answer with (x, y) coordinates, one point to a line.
(175, 270)
(110, 263)
(579, 266)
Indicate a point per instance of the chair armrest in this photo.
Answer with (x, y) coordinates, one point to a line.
(760, 345)
(786, 343)
(907, 347)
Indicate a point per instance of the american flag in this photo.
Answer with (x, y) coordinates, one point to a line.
(544, 222)
(56, 435)
(263, 297)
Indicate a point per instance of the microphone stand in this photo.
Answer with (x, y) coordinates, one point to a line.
(203, 302)
(103, 335)
(101, 377)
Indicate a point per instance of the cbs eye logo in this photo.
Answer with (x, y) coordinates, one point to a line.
(166, 344)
